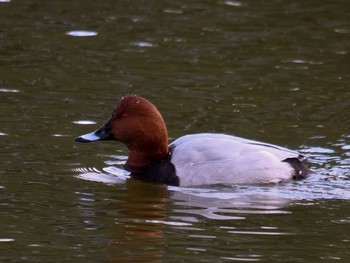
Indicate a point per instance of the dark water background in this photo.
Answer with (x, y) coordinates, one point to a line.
(275, 71)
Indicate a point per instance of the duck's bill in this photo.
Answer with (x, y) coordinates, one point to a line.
(89, 137)
(103, 133)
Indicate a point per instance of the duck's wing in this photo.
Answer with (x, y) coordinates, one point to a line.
(234, 143)
(214, 158)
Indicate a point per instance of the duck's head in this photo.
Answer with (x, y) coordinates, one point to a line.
(137, 123)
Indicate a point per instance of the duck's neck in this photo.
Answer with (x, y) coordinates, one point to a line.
(138, 159)
(145, 154)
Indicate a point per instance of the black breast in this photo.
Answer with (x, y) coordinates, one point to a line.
(162, 172)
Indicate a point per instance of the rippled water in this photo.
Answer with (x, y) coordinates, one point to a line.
(275, 71)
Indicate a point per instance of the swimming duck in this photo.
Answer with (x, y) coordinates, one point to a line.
(195, 159)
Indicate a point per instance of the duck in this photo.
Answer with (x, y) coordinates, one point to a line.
(194, 159)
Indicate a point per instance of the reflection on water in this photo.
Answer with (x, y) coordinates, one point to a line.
(203, 217)
(139, 228)
(269, 197)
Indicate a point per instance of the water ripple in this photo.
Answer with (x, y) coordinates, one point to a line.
(143, 44)
(6, 239)
(233, 3)
(84, 122)
(81, 33)
(342, 30)
(9, 90)
(241, 259)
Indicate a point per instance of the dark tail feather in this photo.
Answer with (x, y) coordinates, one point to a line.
(301, 171)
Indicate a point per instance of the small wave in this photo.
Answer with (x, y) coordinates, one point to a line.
(113, 176)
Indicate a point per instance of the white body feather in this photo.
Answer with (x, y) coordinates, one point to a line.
(207, 158)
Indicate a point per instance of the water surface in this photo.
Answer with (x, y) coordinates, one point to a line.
(274, 71)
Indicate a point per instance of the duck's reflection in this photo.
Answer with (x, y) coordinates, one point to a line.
(139, 228)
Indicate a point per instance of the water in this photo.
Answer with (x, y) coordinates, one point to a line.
(274, 71)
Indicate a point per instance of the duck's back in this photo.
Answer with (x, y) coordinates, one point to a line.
(223, 159)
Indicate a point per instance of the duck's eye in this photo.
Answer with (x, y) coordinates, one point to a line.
(122, 115)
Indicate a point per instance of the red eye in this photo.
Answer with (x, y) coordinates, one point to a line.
(121, 115)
